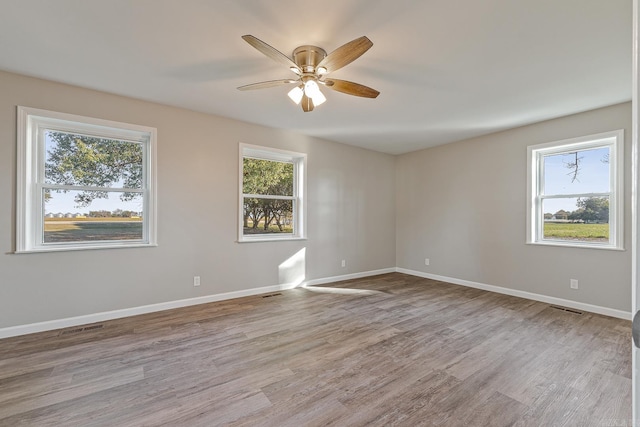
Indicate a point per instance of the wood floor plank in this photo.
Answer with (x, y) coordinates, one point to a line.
(379, 351)
(70, 391)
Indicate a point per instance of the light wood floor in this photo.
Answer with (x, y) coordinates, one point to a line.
(387, 350)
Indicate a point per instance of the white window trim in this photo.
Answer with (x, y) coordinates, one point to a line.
(535, 216)
(30, 157)
(299, 191)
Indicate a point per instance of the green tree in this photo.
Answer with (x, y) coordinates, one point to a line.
(99, 214)
(80, 160)
(591, 209)
(266, 177)
(254, 210)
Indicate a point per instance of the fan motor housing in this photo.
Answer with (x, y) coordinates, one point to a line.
(308, 57)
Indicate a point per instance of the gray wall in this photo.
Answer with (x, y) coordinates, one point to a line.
(351, 213)
(462, 205)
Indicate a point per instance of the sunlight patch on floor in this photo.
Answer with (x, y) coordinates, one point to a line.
(342, 291)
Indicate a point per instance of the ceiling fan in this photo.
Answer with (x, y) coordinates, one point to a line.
(312, 64)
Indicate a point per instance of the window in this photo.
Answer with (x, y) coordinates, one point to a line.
(575, 192)
(272, 203)
(83, 183)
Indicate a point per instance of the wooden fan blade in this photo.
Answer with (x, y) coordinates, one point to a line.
(351, 88)
(270, 51)
(345, 54)
(270, 83)
(307, 104)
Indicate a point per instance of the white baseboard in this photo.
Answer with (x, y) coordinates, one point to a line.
(332, 279)
(523, 294)
(13, 331)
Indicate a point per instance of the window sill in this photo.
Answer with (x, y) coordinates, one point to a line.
(269, 239)
(83, 248)
(563, 244)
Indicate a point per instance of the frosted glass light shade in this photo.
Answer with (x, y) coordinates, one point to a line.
(311, 88)
(318, 98)
(296, 94)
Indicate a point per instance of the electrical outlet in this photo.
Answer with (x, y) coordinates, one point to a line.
(426, 261)
(196, 280)
(574, 283)
(344, 262)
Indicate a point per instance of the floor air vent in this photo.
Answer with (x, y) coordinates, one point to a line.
(271, 295)
(80, 329)
(568, 310)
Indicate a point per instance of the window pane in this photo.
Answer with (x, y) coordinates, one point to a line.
(73, 159)
(582, 171)
(266, 216)
(77, 216)
(577, 219)
(267, 177)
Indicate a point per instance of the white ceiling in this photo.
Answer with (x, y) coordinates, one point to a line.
(446, 69)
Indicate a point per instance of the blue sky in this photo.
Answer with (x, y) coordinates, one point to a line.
(64, 203)
(593, 177)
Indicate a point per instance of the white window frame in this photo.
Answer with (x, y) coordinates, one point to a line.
(535, 187)
(31, 156)
(299, 161)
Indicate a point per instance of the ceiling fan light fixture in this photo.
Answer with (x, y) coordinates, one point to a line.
(311, 64)
(318, 98)
(296, 94)
(311, 88)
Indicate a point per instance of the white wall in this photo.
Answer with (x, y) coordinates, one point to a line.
(462, 205)
(351, 213)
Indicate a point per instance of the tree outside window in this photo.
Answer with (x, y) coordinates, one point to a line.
(272, 203)
(83, 183)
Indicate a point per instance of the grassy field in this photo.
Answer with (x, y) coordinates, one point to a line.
(90, 229)
(568, 231)
(272, 229)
